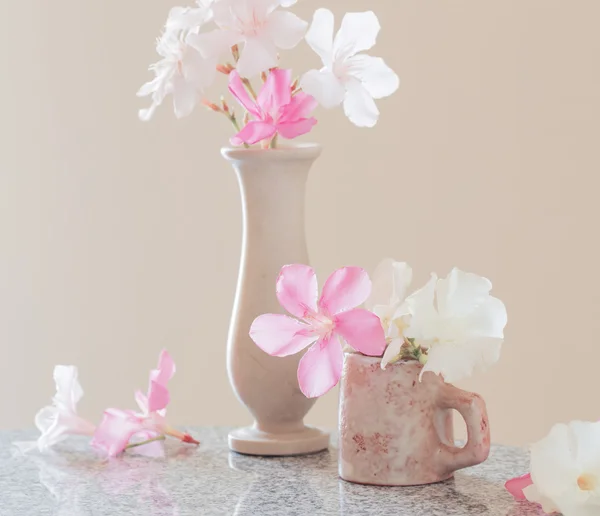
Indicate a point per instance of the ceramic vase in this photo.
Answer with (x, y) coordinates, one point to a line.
(397, 430)
(272, 184)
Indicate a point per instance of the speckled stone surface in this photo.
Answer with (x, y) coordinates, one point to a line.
(210, 480)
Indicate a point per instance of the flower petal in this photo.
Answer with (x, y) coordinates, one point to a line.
(391, 280)
(68, 389)
(280, 335)
(215, 43)
(324, 86)
(424, 317)
(377, 77)
(515, 486)
(320, 35)
(487, 320)
(254, 132)
(359, 106)
(115, 431)
(286, 29)
(185, 97)
(238, 90)
(358, 32)
(461, 292)
(276, 92)
(165, 369)
(345, 289)
(392, 352)
(362, 330)
(300, 106)
(532, 494)
(297, 289)
(158, 396)
(291, 130)
(320, 369)
(259, 55)
(456, 361)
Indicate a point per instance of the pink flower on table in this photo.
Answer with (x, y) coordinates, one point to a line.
(322, 322)
(122, 428)
(275, 111)
(516, 485)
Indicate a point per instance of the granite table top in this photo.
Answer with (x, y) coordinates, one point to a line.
(210, 480)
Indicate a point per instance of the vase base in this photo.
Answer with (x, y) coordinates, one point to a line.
(251, 441)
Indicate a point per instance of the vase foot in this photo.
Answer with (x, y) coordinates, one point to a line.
(251, 441)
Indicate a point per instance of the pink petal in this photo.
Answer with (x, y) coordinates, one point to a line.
(142, 401)
(320, 369)
(362, 330)
(280, 335)
(515, 486)
(254, 132)
(158, 397)
(345, 289)
(153, 449)
(301, 106)
(115, 431)
(238, 90)
(276, 92)
(165, 369)
(297, 289)
(291, 130)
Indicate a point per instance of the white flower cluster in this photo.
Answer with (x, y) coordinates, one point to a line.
(196, 39)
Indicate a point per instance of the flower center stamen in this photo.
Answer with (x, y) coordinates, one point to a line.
(587, 482)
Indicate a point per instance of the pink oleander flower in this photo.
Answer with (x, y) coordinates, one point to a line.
(60, 419)
(322, 322)
(516, 485)
(275, 111)
(121, 429)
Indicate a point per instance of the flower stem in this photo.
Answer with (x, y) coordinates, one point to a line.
(249, 87)
(274, 141)
(134, 445)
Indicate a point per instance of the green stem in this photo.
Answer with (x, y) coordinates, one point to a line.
(135, 445)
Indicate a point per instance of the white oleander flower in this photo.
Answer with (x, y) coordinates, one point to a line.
(391, 280)
(565, 470)
(259, 24)
(459, 322)
(347, 76)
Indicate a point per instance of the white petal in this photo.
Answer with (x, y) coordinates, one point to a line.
(286, 29)
(68, 390)
(214, 44)
(185, 97)
(320, 35)
(456, 361)
(324, 87)
(258, 56)
(358, 32)
(392, 352)
(460, 292)
(533, 495)
(198, 71)
(424, 317)
(287, 3)
(487, 320)
(359, 106)
(376, 76)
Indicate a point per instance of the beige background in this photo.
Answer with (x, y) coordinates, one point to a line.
(119, 238)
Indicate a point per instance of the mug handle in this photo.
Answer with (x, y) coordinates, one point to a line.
(473, 410)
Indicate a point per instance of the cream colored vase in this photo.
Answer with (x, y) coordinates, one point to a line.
(272, 184)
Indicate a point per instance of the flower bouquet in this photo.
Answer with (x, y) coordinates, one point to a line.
(242, 42)
(396, 359)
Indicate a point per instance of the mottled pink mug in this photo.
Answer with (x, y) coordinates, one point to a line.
(395, 430)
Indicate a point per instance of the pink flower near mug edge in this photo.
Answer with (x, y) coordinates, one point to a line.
(275, 111)
(516, 485)
(321, 322)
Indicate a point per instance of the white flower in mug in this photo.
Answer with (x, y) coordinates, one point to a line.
(565, 470)
(391, 280)
(347, 76)
(182, 72)
(459, 322)
(259, 24)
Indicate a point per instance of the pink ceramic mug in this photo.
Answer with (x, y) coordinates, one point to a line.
(395, 430)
